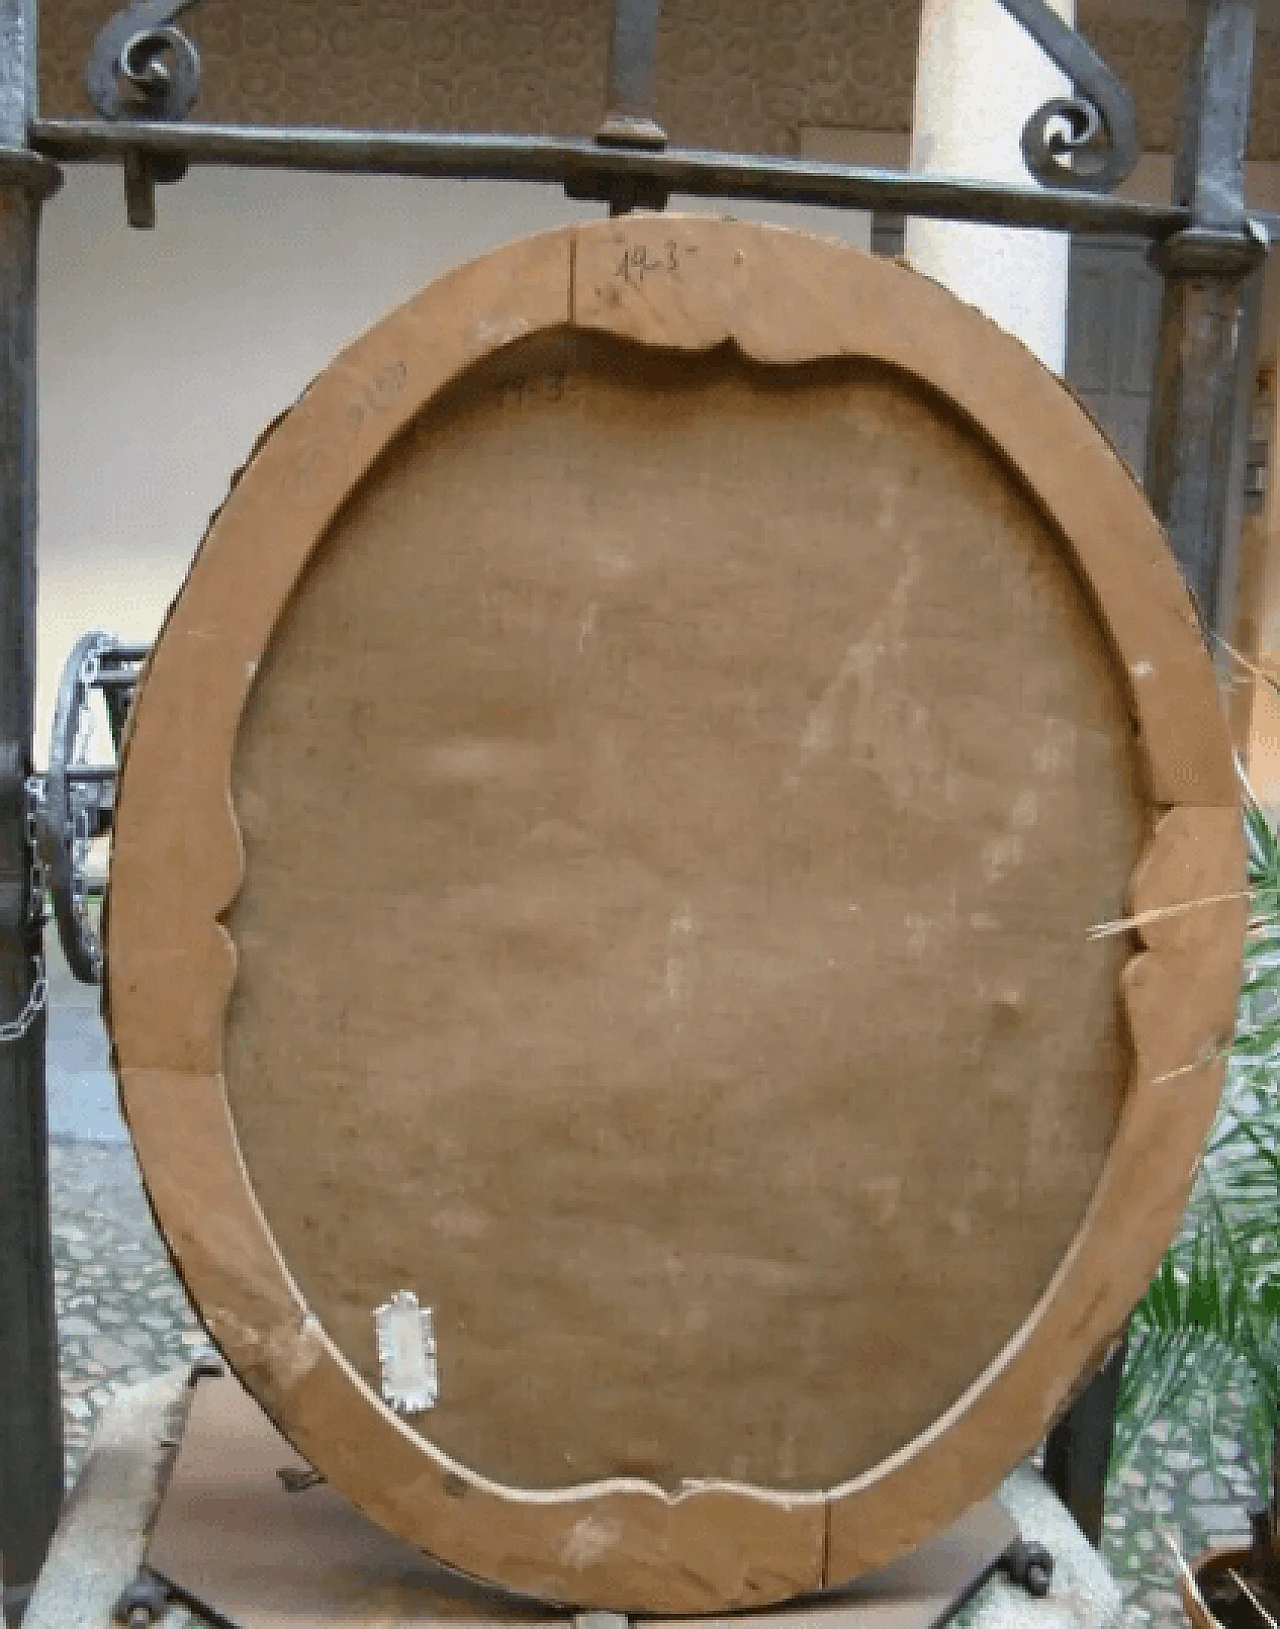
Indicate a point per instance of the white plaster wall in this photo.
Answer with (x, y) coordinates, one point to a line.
(979, 76)
(163, 354)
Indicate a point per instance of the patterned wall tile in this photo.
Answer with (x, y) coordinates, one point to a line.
(736, 74)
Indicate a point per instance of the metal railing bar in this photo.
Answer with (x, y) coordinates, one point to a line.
(590, 171)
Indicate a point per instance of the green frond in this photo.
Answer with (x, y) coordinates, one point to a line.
(1210, 1320)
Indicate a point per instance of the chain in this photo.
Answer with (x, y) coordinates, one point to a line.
(77, 836)
(79, 810)
(80, 886)
(36, 1001)
(17, 1027)
(39, 871)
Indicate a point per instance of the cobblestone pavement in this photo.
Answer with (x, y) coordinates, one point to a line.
(123, 1317)
(122, 1314)
(1167, 1488)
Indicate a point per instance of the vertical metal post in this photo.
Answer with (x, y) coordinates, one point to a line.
(1193, 410)
(633, 77)
(631, 96)
(1206, 329)
(30, 1413)
(1078, 1449)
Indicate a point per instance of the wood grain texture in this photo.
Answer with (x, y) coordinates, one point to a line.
(592, 673)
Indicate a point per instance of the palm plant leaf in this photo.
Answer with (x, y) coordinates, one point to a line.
(1209, 1323)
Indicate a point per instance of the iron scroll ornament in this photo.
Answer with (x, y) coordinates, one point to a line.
(1097, 124)
(142, 65)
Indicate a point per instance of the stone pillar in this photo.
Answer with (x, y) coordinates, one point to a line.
(979, 76)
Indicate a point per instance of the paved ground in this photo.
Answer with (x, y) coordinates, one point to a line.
(82, 1090)
(1167, 1489)
(123, 1317)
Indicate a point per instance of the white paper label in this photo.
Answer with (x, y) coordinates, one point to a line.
(407, 1354)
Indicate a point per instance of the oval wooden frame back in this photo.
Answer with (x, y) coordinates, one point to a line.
(688, 284)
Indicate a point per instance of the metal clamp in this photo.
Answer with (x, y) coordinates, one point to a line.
(1211, 251)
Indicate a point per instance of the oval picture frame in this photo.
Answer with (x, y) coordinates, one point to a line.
(780, 297)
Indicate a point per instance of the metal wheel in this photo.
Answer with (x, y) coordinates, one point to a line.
(79, 796)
